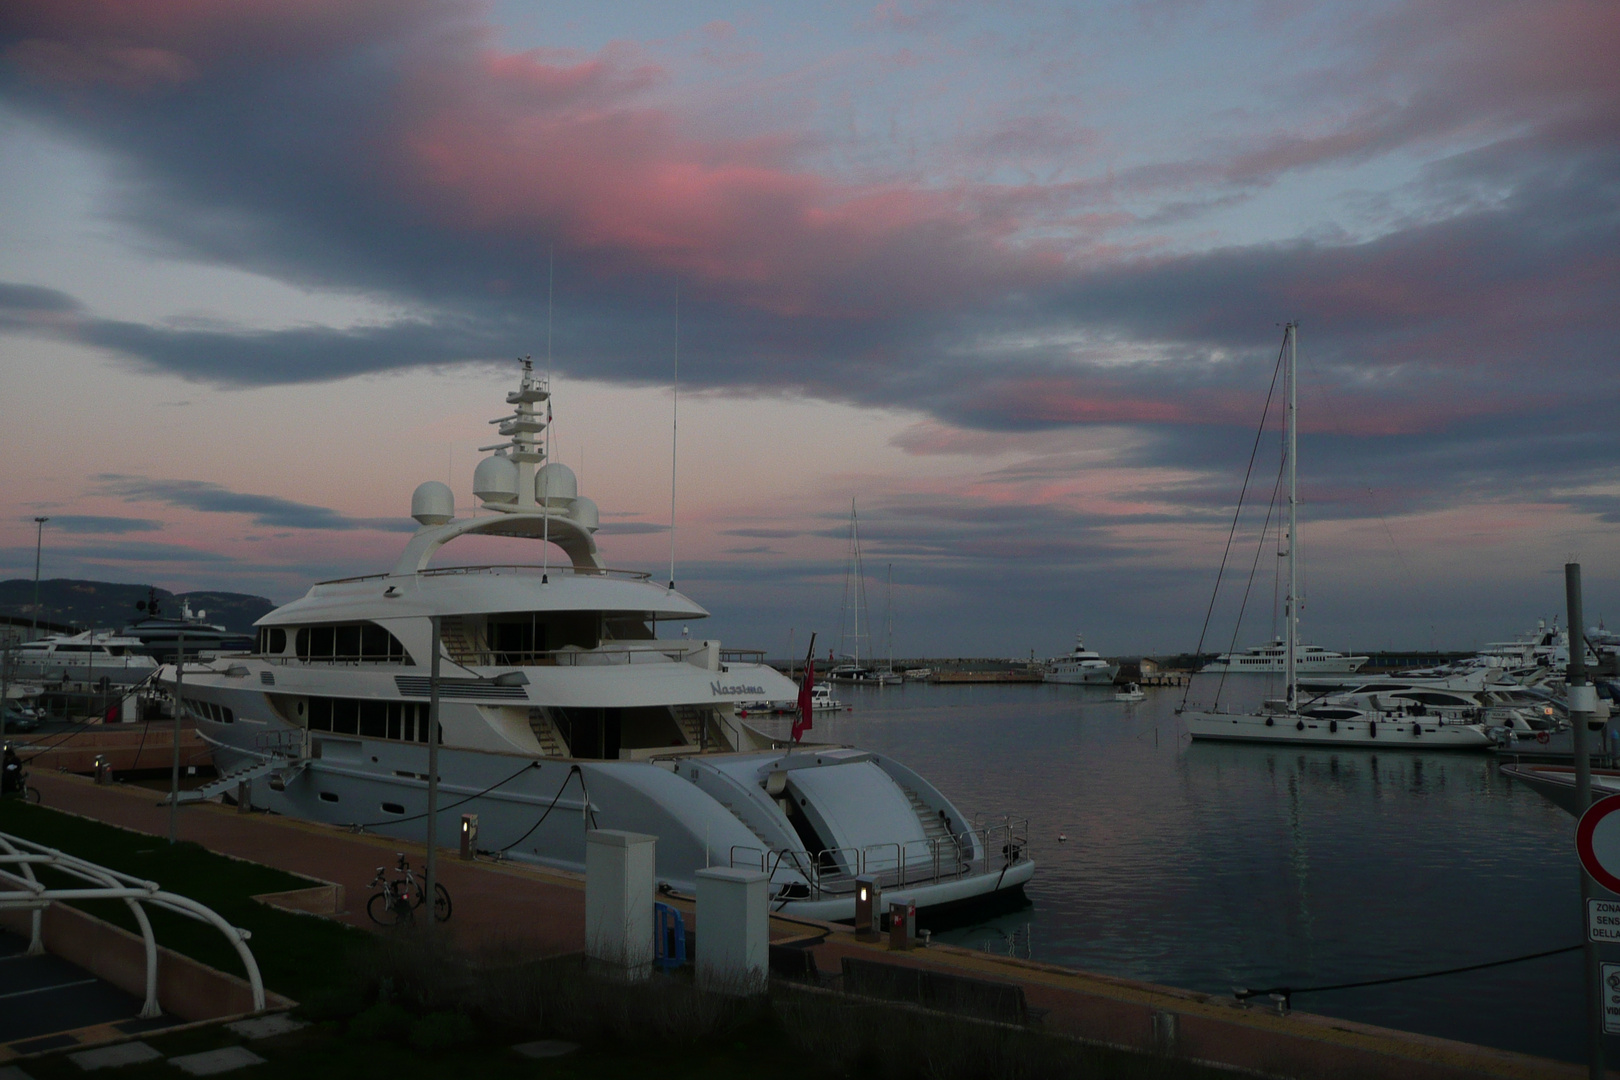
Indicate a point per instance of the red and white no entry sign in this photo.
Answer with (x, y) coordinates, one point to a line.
(1597, 842)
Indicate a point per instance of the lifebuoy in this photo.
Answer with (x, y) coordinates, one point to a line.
(1543, 738)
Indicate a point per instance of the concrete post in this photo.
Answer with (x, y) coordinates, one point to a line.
(734, 938)
(619, 896)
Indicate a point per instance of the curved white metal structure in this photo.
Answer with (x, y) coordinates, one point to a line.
(562, 710)
(18, 857)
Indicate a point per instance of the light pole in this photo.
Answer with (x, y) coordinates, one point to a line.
(39, 539)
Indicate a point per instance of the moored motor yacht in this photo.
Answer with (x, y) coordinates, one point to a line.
(1082, 667)
(83, 658)
(1270, 658)
(561, 710)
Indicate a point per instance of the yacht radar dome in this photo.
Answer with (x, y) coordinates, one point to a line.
(496, 479)
(433, 503)
(584, 511)
(555, 485)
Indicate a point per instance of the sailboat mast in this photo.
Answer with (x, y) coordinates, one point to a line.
(860, 585)
(1293, 515)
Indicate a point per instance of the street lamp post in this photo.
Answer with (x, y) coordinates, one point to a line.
(39, 539)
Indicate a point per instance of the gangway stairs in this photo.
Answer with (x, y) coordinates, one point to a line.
(228, 781)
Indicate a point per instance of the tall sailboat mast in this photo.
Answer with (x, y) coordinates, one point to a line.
(1292, 607)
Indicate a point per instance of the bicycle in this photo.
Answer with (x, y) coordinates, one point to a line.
(398, 898)
(16, 785)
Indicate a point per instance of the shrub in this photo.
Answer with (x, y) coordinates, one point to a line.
(441, 1031)
(384, 1022)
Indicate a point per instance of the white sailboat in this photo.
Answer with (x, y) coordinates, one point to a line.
(1324, 724)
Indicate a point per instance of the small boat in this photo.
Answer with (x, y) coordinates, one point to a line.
(1130, 692)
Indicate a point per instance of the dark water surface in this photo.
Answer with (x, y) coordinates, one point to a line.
(1210, 865)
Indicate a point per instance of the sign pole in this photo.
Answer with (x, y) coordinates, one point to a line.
(179, 710)
(1582, 703)
(430, 872)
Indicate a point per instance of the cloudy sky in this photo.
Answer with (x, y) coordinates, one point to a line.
(1010, 276)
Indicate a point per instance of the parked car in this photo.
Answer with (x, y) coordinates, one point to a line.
(21, 720)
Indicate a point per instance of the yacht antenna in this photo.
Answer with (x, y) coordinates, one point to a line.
(674, 433)
(1291, 610)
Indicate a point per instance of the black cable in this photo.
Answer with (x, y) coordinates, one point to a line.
(1287, 991)
(1253, 452)
(584, 794)
(442, 809)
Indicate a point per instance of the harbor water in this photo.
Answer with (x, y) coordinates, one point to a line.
(1210, 865)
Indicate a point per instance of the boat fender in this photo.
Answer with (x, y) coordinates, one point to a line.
(1333, 725)
(1299, 725)
(1372, 729)
(1268, 721)
(1417, 729)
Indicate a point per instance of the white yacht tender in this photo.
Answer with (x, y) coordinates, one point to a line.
(561, 711)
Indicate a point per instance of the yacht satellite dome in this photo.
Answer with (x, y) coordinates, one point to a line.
(554, 485)
(433, 503)
(496, 480)
(584, 512)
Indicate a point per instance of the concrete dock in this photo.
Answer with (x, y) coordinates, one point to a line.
(530, 912)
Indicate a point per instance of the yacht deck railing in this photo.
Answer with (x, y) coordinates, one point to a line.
(504, 568)
(832, 873)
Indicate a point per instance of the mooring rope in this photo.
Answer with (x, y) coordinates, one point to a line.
(1287, 992)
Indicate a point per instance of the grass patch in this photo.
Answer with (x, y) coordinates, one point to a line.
(298, 955)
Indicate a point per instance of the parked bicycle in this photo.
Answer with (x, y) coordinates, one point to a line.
(398, 898)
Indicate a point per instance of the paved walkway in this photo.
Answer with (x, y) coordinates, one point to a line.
(529, 912)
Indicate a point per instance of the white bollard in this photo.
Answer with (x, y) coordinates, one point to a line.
(733, 930)
(619, 890)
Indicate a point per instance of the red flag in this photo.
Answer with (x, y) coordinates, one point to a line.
(802, 724)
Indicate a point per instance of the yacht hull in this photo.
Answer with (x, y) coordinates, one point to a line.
(704, 809)
(1405, 734)
(1091, 676)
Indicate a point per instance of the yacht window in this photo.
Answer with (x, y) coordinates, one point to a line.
(404, 720)
(392, 808)
(272, 640)
(347, 643)
(344, 641)
(374, 719)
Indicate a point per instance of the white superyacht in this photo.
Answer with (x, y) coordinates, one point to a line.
(1082, 667)
(561, 711)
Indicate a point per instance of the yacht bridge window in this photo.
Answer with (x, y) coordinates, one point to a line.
(518, 637)
(366, 642)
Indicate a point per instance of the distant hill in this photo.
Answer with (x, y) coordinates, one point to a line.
(109, 604)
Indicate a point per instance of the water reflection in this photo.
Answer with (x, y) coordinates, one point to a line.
(1208, 865)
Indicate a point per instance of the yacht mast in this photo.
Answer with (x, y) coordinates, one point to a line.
(860, 583)
(1292, 608)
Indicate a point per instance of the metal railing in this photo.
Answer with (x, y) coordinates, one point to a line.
(988, 849)
(18, 857)
(499, 568)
